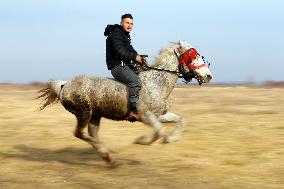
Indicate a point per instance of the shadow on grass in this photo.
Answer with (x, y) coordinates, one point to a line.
(72, 156)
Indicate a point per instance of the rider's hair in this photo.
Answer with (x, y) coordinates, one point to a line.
(126, 16)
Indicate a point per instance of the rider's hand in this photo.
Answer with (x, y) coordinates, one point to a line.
(138, 59)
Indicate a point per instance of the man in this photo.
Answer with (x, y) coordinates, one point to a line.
(119, 55)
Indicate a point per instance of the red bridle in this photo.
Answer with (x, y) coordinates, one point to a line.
(188, 57)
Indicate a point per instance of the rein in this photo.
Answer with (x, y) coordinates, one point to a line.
(147, 67)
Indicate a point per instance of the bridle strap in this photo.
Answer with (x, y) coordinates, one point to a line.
(196, 67)
(187, 57)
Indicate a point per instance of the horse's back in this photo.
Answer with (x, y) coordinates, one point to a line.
(105, 95)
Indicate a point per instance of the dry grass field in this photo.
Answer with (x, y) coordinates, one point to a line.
(234, 139)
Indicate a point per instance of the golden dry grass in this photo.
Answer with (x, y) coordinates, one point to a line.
(234, 139)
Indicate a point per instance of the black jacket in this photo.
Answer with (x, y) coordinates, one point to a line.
(118, 46)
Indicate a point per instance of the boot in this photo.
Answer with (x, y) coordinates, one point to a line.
(133, 115)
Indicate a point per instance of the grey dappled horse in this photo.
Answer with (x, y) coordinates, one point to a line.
(91, 98)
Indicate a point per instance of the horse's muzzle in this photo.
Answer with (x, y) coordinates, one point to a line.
(208, 78)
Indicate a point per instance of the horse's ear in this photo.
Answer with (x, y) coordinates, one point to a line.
(184, 44)
(175, 43)
(180, 42)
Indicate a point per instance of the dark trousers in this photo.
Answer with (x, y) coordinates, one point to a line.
(127, 76)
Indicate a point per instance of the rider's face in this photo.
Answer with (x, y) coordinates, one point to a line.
(127, 24)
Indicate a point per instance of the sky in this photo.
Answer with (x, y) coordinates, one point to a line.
(42, 40)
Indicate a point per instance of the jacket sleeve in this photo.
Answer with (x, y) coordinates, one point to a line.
(117, 41)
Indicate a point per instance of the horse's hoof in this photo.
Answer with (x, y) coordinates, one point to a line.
(165, 140)
(169, 139)
(107, 157)
(143, 140)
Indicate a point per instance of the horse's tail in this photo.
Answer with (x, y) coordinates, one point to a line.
(50, 94)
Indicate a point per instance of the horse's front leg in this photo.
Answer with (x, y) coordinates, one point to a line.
(150, 119)
(172, 118)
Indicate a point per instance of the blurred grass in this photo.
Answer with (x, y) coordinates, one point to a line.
(233, 139)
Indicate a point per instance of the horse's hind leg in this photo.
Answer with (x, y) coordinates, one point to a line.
(150, 119)
(83, 118)
(176, 133)
(82, 121)
(93, 129)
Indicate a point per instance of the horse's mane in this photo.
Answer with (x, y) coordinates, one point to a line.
(164, 53)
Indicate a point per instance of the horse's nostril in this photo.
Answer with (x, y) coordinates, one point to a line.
(208, 78)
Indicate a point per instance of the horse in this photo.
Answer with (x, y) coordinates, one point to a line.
(91, 98)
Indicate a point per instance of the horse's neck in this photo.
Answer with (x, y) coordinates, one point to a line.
(161, 82)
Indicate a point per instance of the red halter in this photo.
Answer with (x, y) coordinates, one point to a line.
(188, 57)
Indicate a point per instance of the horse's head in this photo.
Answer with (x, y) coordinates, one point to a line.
(192, 64)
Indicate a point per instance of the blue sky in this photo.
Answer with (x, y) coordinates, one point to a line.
(59, 39)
